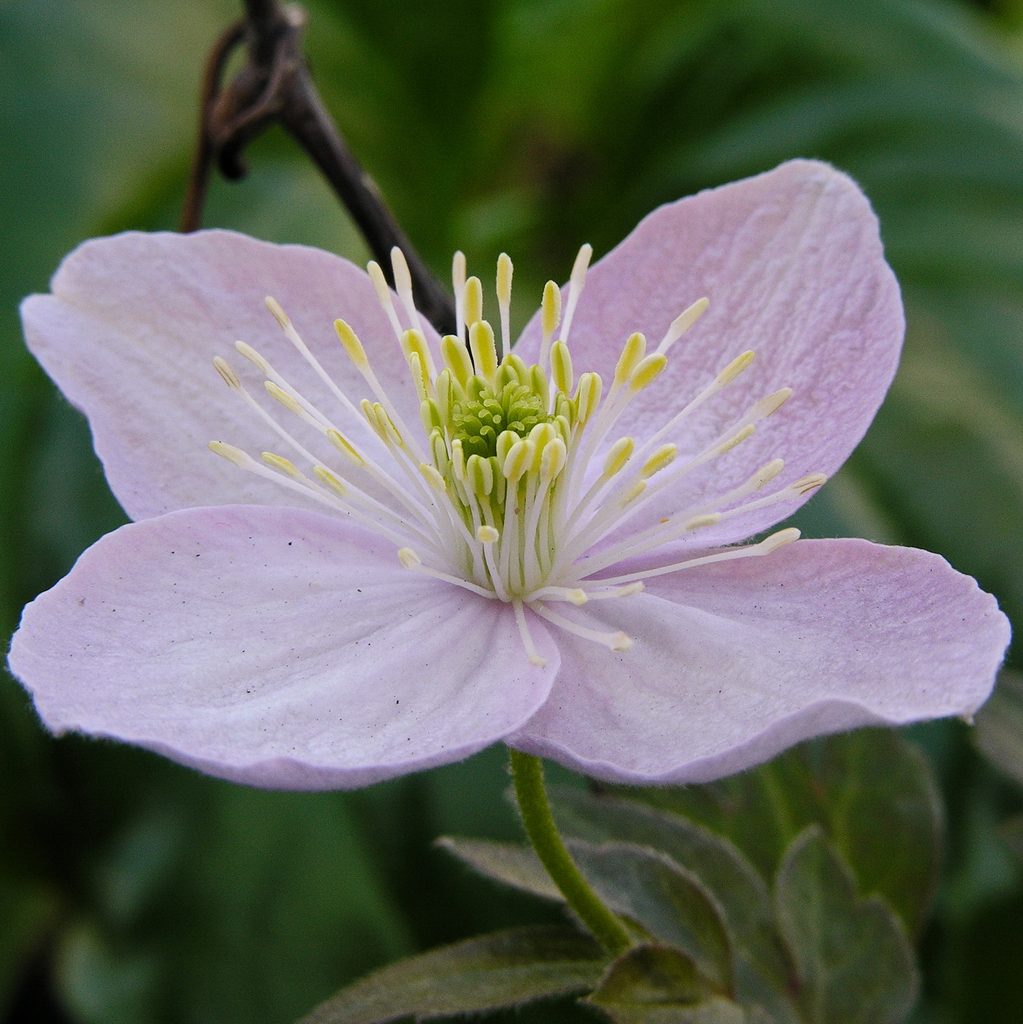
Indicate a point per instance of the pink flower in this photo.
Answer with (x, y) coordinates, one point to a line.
(493, 551)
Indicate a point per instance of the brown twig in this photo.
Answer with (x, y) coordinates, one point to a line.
(275, 86)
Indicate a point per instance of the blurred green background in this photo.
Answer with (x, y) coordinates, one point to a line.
(134, 890)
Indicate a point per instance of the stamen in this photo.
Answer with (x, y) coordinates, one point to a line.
(458, 287)
(550, 316)
(473, 302)
(504, 288)
(615, 641)
(383, 290)
(575, 287)
(527, 639)
(410, 560)
(765, 547)
(403, 286)
(686, 319)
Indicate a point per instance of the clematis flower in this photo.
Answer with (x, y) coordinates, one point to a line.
(404, 548)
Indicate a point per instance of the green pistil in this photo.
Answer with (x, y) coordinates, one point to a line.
(480, 419)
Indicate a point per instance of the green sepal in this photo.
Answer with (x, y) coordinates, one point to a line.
(489, 972)
(654, 984)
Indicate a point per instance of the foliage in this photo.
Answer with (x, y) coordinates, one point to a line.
(132, 890)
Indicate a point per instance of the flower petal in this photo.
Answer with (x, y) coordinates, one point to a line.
(793, 266)
(130, 331)
(736, 661)
(275, 647)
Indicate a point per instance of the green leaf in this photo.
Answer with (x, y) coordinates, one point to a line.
(999, 732)
(667, 901)
(854, 964)
(653, 984)
(513, 864)
(871, 791)
(1011, 832)
(762, 970)
(489, 972)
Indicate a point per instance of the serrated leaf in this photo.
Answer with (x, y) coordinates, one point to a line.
(849, 785)
(854, 964)
(762, 969)
(670, 903)
(999, 732)
(489, 972)
(653, 984)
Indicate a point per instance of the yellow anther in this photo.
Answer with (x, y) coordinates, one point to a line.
(779, 539)
(484, 350)
(248, 352)
(647, 371)
(632, 352)
(561, 367)
(332, 480)
(473, 300)
(633, 492)
(737, 438)
(456, 358)
(587, 395)
(682, 323)
(377, 276)
(618, 455)
(553, 459)
(458, 459)
(480, 474)
(232, 454)
(227, 375)
(350, 340)
(518, 460)
(806, 484)
(517, 365)
(433, 477)
(385, 426)
(505, 440)
(538, 384)
(735, 367)
(399, 265)
(663, 456)
(703, 521)
(277, 312)
(418, 375)
(343, 445)
(550, 309)
(487, 535)
(429, 416)
(439, 451)
(414, 342)
(278, 394)
(408, 558)
(620, 642)
(279, 462)
(771, 403)
(458, 272)
(767, 473)
(504, 278)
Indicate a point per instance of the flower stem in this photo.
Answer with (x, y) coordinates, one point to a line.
(531, 795)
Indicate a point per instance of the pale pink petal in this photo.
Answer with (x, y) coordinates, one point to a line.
(275, 647)
(734, 662)
(130, 331)
(793, 267)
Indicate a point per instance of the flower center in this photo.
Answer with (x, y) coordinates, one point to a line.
(514, 478)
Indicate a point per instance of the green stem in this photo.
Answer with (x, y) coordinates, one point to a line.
(531, 794)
